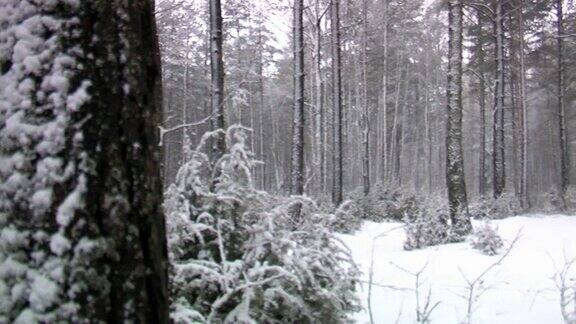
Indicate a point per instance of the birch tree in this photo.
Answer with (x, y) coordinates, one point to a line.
(82, 230)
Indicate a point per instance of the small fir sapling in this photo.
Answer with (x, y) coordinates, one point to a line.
(487, 240)
(427, 227)
(238, 257)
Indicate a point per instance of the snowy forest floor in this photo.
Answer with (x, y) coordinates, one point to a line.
(521, 289)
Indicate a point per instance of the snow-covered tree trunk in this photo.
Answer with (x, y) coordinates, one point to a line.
(297, 171)
(456, 185)
(337, 103)
(498, 158)
(217, 120)
(365, 112)
(82, 234)
(564, 160)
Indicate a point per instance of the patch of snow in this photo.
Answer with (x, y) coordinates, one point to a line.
(43, 293)
(522, 289)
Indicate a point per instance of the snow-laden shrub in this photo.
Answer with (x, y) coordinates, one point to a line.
(238, 255)
(343, 219)
(549, 202)
(384, 202)
(428, 226)
(490, 208)
(486, 239)
(570, 199)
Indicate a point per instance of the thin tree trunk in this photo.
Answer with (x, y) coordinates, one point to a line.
(319, 116)
(455, 179)
(217, 80)
(337, 104)
(564, 160)
(498, 162)
(383, 143)
(524, 111)
(297, 178)
(365, 117)
(264, 181)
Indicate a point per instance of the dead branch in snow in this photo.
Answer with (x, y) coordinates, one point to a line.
(476, 287)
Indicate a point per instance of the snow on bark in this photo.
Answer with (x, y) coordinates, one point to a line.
(76, 115)
(297, 178)
(40, 156)
(456, 185)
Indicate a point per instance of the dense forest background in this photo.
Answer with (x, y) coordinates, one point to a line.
(399, 99)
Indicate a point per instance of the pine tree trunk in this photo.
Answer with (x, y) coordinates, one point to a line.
(564, 161)
(365, 112)
(319, 97)
(90, 228)
(455, 182)
(384, 127)
(337, 104)
(217, 81)
(525, 198)
(297, 178)
(498, 157)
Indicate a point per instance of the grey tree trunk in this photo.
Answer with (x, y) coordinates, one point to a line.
(337, 103)
(297, 177)
(91, 228)
(498, 158)
(217, 80)
(383, 128)
(564, 160)
(525, 197)
(455, 183)
(365, 112)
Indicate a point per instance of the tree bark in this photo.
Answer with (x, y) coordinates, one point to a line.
(337, 103)
(564, 160)
(455, 182)
(525, 197)
(365, 112)
(91, 227)
(297, 178)
(217, 81)
(498, 157)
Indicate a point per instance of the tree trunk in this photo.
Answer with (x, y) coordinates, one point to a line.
(456, 185)
(319, 97)
(498, 162)
(365, 112)
(217, 81)
(383, 128)
(564, 161)
(91, 241)
(297, 178)
(337, 103)
(524, 111)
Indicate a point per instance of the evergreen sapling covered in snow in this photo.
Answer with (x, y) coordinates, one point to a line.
(237, 255)
(487, 240)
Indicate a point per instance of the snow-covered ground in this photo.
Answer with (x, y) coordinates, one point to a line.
(521, 289)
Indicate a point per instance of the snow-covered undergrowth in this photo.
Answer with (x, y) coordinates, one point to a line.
(522, 289)
(239, 255)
